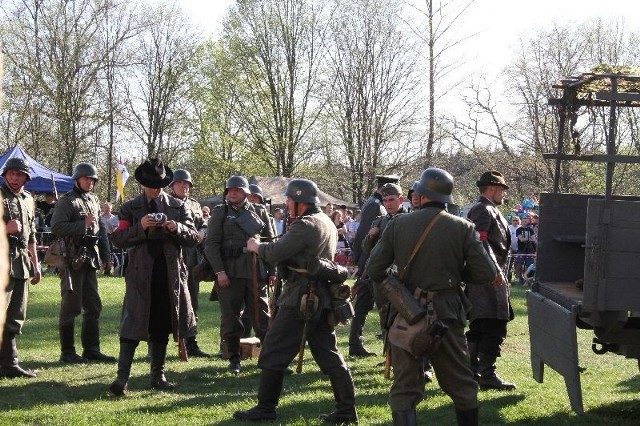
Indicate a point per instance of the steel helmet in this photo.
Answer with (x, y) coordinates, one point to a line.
(85, 170)
(181, 174)
(436, 184)
(257, 190)
(19, 164)
(303, 191)
(237, 182)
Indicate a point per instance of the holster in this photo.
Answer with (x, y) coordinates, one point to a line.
(399, 296)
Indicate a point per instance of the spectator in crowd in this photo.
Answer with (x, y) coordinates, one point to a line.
(328, 209)
(109, 220)
(154, 227)
(18, 215)
(353, 227)
(336, 218)
(526, 248)
(513, 251)
(278, 217)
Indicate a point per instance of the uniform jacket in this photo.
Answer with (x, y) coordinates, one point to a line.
(226, 242)
(490, 301)
(191, 253)
(379, 222)
(451, 254)
(19, 206)
(134, 323)
(371, 209)
(68, 221)
(311, 235)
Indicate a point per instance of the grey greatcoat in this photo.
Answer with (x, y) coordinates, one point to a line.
(490, 301)
(134, 323)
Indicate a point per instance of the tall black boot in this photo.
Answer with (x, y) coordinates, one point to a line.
(125, 359)
(9, 366)
(344, 394)
(193, 349)
(90, 336)
(404, 418)
(268, 397)
(68, 350)
(488, 377)
(356, 341)
(473, 358)
(467, 417)
(233, 349)
(158, 358)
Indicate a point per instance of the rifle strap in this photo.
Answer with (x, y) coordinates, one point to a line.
(421, 241)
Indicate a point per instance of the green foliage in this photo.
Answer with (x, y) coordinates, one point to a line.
(207, 394)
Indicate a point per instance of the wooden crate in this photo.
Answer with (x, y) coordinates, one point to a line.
(249, 348)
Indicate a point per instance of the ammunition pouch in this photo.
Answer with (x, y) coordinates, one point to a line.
(232, 248)
(402, 300)
(250, 223)
(341, 307)
(55, 255)
(323, 269)
(17, 242)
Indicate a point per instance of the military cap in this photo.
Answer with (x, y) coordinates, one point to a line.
(390, 189)
(492, 178)
(382, 179)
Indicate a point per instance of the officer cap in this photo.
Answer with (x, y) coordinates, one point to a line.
(85, 170)
(181, 175)
(382, 179)
(390, 189)
(303, 191)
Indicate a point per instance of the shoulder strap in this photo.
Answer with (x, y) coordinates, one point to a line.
(422, 239)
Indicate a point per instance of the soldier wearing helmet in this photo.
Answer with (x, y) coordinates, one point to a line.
(76, 219)
(491, 306)
(312, 234)
(18, 216)
(230, 225)
(180, 187)
(449, 254)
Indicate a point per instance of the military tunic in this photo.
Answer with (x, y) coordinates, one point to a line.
(452, 254)
(68, 222)
(225, 249)
(19, 206)
(191, 253)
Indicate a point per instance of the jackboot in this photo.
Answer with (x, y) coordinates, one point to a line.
(125, 359)
(488, 377)
(193, 350)
(9, 366)
(268, 397)
(467, 417)
(344, 394)
(158, 358)
(233, 349)
(67, 349)
(473, 358)
(404, 418)
(90, 337)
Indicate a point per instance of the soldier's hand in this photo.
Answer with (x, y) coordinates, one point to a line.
(89, 220)
(36, 277)
(147, 222)
(222, 279)
(272, 280)
(499, 281)
(373, 232)
(13, 226)
(170, 225)
(253, 244)
(106, 267)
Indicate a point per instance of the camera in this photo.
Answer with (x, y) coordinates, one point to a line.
(158, 217)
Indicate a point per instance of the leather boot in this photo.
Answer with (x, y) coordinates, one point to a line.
(344, 394)
(473, 358)
(467, 417)
(193, 350)
(158, 358)
(488, 377)
(90, 336)
(9, 366)
(233, 349)
(125, 359)
(68, 350)
(404, 418)
(268, 397)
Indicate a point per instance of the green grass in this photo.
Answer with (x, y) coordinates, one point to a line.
(206, 394)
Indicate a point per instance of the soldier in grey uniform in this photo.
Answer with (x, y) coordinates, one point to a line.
(311, 235)
(180, 186)
(76, 219)
(230, 225)
(154, 228)
(392, 199)
(18, 216)
(450, 255)
(491, 306)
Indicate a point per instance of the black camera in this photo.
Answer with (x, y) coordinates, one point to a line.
(158, 217)
(89, 240)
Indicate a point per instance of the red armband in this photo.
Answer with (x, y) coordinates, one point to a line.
(123, 224)
(484, 235)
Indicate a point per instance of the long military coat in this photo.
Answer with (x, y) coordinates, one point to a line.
(134, 323)
(490, 301)
(451, 254)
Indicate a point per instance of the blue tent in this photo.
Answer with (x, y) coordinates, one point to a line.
(42, 179)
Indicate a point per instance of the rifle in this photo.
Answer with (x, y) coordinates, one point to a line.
(254, 278)
(308, 307)
(391, 316)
